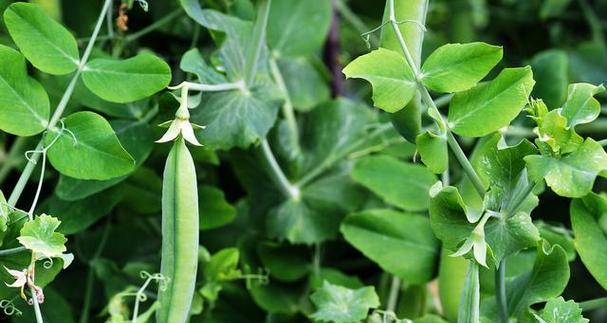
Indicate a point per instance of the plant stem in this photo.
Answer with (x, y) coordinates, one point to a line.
(457, 150)
(500, 291)
(349, 16)
(150, 28)
(603, 142)
(332, 52)
(12, 251)
(443, 101)
(29, 168)
(90, 278)
(287, 107)
(465, 163)
(393, 296)
(290, 190)
(13, 157)
(259, 40)
(593, 304)
(39, 318)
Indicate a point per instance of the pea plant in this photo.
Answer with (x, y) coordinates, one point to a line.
(302, 160)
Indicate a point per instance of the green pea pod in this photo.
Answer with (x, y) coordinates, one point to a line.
(451, 276)
(179, 235)
(408, 121)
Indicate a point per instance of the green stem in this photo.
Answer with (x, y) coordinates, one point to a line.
(289, 189)
(37, 311)
(457, 150)
(349, 16)
(594, 304)
(393, 296)
(500, 291)
(287, 107)
(465, 163)
(152, 27)
(13, 157)
(443, 101)
(210, 87)
(259, 40)
(12, 251)
(29, 168)
(603, 142)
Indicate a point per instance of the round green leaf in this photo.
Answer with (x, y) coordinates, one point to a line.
(88, 148)
(24, 105)
(458, 67)
(398, 183)
(47, 44)
(491, 106)
(126, 80)
(402, 244)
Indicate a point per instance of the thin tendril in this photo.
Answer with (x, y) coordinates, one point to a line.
(367, 35)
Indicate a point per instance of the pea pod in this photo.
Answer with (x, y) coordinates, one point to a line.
(179, 235)
(408, 120)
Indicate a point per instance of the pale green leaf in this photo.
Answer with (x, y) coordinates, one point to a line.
(387, 71)
(491, 106)
(339, 304)
(402, 184)
(581, 106)
(43, 41)
(88, 148)
(433, 151)
(557, 310)
(39, 236)
(572, 175)
(401, 243)
(24, 104)
(298, 27)
(458, 67)
(553, 131)
(126, 80)
(590, 239)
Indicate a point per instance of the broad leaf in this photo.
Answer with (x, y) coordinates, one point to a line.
(127, 80)
(39, 236)
(136, 137)
(387, 71)
(572, 175)
(590, 239)
(235, 118)
(548, 279)
(298, 27)
(433, 151)
(402, 184)
(491, 106)
(550, 71)
(43, 41)
(24, 104)
(214, 210)
(554, 132)
(458, 67)
(512, 235)
(581, 106)
(306, 85)
(402, 244)
(285, 262)
(88, 148)
(557, 310)
(339, 304)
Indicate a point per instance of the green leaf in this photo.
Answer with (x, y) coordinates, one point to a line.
(279, 298)
(557, 310)
(43, 41)
(334, 277)
(458, 67)
(548, 279)
(590, 239)
(491, 106)
(387, 71)
(581, 106)
(306, 86)
(298, 27)
(339, 304)
(214, 210)
(24, 104)
(284, 262)
(558, 234)
(433, 151)
(223, 266)
(572, 175)
(512, 235)
(550, 71)
(237, 119)
(77, 216)
(137, 138)
(554, 132)
(39, 236)
(126, 80)
(88, 148)
(402, 244)
(398, 183)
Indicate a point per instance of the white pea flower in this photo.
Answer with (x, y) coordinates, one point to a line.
(181, 125)
(20, 277)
